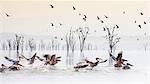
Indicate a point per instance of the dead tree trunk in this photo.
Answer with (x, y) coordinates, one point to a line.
(17, 40)
(113, 39)
(82, 35)
(70, 43)
(10, 47)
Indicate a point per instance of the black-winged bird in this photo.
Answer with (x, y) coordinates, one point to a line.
(52, 6)
(84, 19)
(141, 13)
(52, 24)
(139, 26)
(98, 18)
(74, 8)
(135, 21)
(117, 26)
(144, 22)
(106, 16)
(123, 12)
(85, 16)
(104, 29)
(7, 15)
(102, 21)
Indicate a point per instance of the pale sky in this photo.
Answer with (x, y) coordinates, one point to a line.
(35, 17)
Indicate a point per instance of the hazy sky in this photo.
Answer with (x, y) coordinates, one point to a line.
(35, 17)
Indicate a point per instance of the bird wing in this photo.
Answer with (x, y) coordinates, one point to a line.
(11, 60)
(40, 58)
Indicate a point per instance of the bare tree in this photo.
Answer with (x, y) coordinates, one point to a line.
(9, 46)
(113, 39)
(82, 35)
(70, 43)
(17, 44)
(145, 42)
(22, 44)
(31, 45)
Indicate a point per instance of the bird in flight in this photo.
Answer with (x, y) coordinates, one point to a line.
(52, 24)
(74, 8)
(104, 29)
(106, 16)
(144, 22)
(123, 12)
(139, 26)
(60, 24)
(52, 6)
(141, 13)
(84, 19)
(135, 21)
(102, 21)
(98, 18)
(85, 16)
(117, 26)
(79, 14)
(7, 15)
(61, 38)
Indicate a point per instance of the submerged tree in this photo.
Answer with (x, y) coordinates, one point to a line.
(113, 39)
(32, 45)
(70, 43)
(82, 35)
(22, 45)
(9, 46)
(17, 44)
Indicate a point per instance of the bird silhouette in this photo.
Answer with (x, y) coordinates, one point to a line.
(52, 24)
(141, 13)
(106, 16)
(52, 6)
(144, 22)
(117, 26)
(79, 14)
(84, 19)
(55, 37)
(139, 26)
(102, 21)
(61, 39)
(74, 8)
(98, 18)
(85, 16)
(123, 12)
(60, 24)
(7, 15)
(135, 21)
(104, 29)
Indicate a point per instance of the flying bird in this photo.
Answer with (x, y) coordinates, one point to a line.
(79, 14)
(104, 29)
(117, 26)
(7, 15)
(135, 21)
(74, 8)
(60, 24)
(52, 24)
(106, 16)
(61, 38)
(144, 22)
(55, 37)
(52, 6)
(141, 13)
(84, 19)
(98, 18)
(102, 21)
(139, 26)
(85, 16)
(123, 12)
